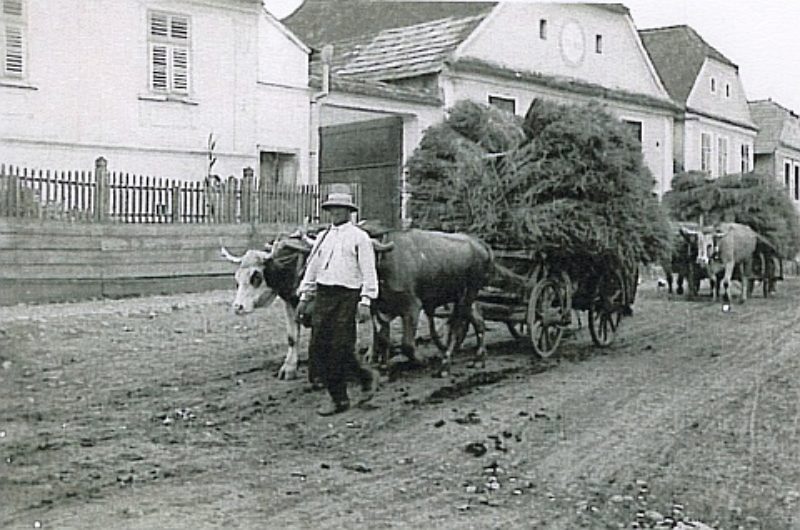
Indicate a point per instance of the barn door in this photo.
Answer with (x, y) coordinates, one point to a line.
(370, 153)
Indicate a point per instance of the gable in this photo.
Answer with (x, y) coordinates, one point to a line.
(718, 93)
(318, 22)
(678, 53)
(596, 44)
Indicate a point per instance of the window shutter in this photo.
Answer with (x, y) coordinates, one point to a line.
(158, 67)
(180, 70)
(179, 28)
(12, 8)
(158, 25)
(14, 63)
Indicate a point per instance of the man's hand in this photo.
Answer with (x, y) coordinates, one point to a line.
(302, 315)
(364, 313)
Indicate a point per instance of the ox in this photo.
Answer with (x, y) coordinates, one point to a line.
(261, 278)
(730, 246)
(427, 270)
(683, 261)
(273, 273)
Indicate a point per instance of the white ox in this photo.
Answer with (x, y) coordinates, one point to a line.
(729, 245)
(260, 279)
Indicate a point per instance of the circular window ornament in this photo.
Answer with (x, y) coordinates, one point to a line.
(572, 43)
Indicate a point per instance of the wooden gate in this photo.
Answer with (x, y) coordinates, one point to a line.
(370, 153)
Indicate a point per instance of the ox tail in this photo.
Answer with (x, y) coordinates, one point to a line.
(766, 242)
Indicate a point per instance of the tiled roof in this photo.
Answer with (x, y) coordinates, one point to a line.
(402, 52)
(771, 119)
(678, 53)
(318, 22)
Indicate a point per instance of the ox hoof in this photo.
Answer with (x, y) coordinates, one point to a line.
(286, 373)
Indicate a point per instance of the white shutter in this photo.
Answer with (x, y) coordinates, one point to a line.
(179, 28)
(180, 70)
(158, 67)
(12, 8)
(14, 60)
(158, 24)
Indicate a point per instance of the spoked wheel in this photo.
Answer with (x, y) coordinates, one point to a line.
(605, 312)
(547, 308)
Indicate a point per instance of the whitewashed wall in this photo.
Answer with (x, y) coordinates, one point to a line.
(87, 93)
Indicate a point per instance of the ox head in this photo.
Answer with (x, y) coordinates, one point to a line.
(264, 275)
(705, 240)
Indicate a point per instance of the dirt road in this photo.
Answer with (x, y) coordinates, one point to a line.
(165, 412)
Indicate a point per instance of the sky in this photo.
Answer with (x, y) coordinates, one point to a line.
(762, 37)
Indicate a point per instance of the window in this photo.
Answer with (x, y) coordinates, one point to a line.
(543, 29)
(797, 182)
(13, 35)
(168, 36)
(787, 175)
(506, 104)
(277, 169)
(705, 152)
(713, 86)
(745, 158)
(722, 156)
(635, 127)
(727, 90)
(598, 44)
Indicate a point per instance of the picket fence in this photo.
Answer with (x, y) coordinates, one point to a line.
(99, 195)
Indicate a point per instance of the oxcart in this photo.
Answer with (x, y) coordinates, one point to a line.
(535, 295)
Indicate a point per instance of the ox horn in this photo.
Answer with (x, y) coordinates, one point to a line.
(223, 252)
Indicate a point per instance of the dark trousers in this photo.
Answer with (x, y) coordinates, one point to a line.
(333, 340)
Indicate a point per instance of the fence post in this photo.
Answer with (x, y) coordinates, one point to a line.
(177, 200)
(101, 190)
(247, 188)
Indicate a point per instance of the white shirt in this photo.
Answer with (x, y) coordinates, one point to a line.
(342, 256)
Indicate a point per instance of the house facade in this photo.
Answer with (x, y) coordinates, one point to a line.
(777, 147)
(506, 54)
(150, 85)
(715, 133)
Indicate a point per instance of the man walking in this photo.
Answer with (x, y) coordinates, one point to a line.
(341, 277)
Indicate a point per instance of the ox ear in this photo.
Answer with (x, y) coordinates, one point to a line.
(262, 256)
(224, 254)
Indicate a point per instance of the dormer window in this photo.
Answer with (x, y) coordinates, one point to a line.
(543, 29)
(598, 44)
(13, 38)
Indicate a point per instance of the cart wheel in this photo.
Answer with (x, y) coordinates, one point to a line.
(546, 309)
(605, 312)
(517, 329)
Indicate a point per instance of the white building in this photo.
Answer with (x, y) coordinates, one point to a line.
(146, 83)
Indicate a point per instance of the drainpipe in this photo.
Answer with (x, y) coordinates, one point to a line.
(316, 113)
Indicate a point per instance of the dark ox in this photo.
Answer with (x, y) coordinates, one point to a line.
(724, 248)
(427, 270)
(683, 261)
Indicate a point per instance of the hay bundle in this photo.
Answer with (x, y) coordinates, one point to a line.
(566, 179)
(753, 199)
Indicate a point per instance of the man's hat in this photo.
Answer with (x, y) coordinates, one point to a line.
(339, 195)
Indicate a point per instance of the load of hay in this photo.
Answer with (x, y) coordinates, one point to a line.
(566, 180)
(753, 199)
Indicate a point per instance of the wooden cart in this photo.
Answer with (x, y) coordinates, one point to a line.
(535, 295)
